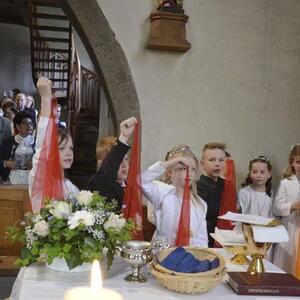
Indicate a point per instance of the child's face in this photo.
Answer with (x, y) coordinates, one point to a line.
(259, 173)
(213, 162)
(123, 169)
(66, 154)
(296, 165)
(178, 173)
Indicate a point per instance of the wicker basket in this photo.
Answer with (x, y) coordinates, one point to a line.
(189, 283)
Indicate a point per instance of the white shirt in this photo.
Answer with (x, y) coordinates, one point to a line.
(69, 189)
(167, 206)
(286, 253)
(256, 203)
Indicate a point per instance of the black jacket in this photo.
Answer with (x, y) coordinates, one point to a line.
(104, 181)
(211, 192)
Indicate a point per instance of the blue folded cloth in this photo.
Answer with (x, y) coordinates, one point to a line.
(180, 260)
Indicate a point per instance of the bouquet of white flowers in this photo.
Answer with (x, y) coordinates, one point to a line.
(77, 231)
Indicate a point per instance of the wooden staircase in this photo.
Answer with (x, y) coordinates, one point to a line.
(77, 89)
(51, 45)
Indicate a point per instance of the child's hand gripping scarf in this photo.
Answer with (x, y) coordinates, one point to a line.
(133, 193)
(228, 200)
(47, 183)
(183, 233)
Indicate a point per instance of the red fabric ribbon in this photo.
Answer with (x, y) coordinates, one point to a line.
(183, 233)
(47, 183)
(133, 193)
(228, 200)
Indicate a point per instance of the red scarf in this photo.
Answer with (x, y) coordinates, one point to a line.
(47, 183)
(228, 200)
(133, 194)
(183, 233)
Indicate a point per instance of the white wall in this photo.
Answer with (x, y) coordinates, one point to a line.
(15, 62)
(238, 84)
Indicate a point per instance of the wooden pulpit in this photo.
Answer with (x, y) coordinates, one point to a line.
(14, 202)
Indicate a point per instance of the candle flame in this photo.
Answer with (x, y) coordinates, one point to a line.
(96, 278)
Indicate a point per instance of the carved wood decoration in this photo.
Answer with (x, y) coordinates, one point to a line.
(168, 32)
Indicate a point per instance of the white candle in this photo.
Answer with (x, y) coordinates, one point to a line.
(95, 292)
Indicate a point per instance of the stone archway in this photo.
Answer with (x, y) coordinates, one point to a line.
(107, 56)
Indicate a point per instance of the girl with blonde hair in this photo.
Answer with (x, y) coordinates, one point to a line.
(287, 206)
(167, 196)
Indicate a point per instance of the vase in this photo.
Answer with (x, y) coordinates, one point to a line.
(60, 264)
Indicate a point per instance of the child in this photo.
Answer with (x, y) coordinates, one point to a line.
(103, 147)
(210, 186)
(109, 181)
(167, 197)
(287, 206)
(255, 198)
(65, 145)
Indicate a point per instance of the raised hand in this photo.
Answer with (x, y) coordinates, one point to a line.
(177, 160)
(126, 129)
(44, 86)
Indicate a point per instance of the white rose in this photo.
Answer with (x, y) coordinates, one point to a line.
(61, 209)
(41, 228)
(84, 197)
(114, 221)
(81, 217)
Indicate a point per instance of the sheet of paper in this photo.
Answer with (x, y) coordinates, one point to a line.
(251, 219)
(277, 234)
(229, 236)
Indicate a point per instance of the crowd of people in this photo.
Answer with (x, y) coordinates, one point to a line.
(164, 183)
(18, 121)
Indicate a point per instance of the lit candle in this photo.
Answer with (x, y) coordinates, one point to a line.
(95, 292)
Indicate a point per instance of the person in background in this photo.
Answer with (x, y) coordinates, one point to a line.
(110, 179)
(210, 186)
(255, 198)
(9, 110)
(5, 131)
(61, 124)
(21, 102)
(17, 151)
(287, 207)
(30, 104)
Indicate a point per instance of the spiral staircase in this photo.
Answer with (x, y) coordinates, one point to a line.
(77, 89)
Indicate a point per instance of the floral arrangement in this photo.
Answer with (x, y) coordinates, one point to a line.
(76, 230)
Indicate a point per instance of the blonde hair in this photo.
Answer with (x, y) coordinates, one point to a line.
(29, 97)
(104, 146)
(183, 151)
(290, 169)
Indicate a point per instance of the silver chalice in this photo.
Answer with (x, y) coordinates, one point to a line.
(137, 254)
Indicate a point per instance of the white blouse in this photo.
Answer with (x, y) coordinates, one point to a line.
(167, 207)
(285, 253)
(69, 189)
(255, 203)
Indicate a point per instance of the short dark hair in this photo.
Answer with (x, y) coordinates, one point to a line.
(63, 134)
(19, 116)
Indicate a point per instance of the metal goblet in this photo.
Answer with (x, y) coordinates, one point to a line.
(137, 254)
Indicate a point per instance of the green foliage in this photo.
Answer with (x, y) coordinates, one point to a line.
(75, 231)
